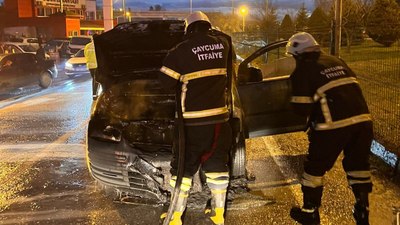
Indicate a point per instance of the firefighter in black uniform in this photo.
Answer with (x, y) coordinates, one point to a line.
(326, 90)
(199, 66)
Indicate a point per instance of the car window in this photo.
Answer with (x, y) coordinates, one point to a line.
(80, 40)
(29, 48)
(16, 39)
(275, 63)
(80, 53)
(7, 62)
(25, 60)
(32, 40)
(8, 49)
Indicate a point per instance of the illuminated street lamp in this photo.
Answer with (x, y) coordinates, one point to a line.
(243, 10)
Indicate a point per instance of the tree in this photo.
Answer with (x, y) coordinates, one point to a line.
(301, 19)
(156, 8)
(383, 23)
(325, 5)
(225, 22)
(286, 28)
(319, 26)
(267, 19)
(353, 22)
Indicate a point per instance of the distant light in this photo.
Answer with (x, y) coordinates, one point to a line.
(243, 10)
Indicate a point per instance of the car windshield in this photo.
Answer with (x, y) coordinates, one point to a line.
(28, 48)
(80, 40)
(32, 40)
(80, 53)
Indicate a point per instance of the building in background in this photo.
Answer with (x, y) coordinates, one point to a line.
(50, 18)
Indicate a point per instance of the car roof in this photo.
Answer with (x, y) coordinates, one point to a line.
(16, 54)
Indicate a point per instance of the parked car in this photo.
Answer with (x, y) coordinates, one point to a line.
(20, 70)
(77, 43)
(16, 47)
(130, 132)
(76, 65)
(25, 40)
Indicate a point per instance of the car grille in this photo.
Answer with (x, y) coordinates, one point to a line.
(125, 171)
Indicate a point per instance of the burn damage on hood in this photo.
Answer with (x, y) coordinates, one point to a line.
(133, 102)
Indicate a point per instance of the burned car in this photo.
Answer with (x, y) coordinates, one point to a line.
(130, 134)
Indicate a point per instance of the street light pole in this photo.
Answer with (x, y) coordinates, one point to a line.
(243, 11)
(243, 23)
(233, 9)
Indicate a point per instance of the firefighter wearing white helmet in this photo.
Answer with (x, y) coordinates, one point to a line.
(326, 90)
(300, 43)
(200, 68)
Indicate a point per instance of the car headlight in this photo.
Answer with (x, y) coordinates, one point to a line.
(68, 65)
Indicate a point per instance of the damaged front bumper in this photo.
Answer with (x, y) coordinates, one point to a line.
(130, 171)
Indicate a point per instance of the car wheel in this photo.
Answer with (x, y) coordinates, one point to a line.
(238, 157)
(45, 79)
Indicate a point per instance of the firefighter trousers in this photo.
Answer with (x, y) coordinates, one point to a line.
(206, 145)
(324, 149)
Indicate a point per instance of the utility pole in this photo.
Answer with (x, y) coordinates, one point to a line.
(233, 9)
(61, 6)
(124, 10)
(337, 28)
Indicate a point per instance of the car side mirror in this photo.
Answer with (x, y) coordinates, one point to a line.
(250, 74)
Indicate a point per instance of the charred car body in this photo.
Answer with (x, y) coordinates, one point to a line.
(131, 129)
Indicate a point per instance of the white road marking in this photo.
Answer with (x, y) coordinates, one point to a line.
(275, 150)
(27, 152)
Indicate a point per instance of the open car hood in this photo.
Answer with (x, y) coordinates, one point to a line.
(136, 48)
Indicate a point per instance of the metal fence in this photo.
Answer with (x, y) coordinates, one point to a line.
(378, 70)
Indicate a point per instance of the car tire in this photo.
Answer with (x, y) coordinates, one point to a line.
(238, 157)
(45, 79)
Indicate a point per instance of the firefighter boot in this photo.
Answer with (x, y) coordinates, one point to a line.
(361, 210)
(180, 207)
(216, 206)
(218, 183)
(307, 215)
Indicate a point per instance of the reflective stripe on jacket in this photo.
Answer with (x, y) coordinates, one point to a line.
(199, 64)
(326, 89)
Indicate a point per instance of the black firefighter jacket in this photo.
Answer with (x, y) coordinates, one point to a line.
(325, 89)
(199, 63)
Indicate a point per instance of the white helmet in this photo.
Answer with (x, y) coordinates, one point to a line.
(300, 43)
(195, 17)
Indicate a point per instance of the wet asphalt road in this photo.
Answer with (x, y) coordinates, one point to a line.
(44, 178)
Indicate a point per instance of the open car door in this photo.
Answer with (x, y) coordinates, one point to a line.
(265, 90)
